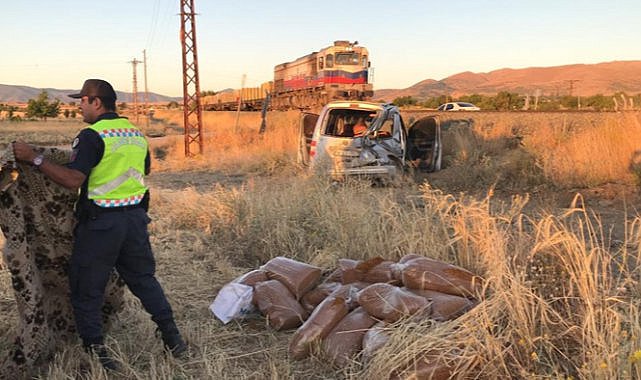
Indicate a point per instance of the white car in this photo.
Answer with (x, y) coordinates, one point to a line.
(458, 106)
(330, 142)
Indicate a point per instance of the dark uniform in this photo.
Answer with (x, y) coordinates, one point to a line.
(105, 238)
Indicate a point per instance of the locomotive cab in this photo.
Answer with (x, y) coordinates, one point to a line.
(337, 72)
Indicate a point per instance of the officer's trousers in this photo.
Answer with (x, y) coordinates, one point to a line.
(113, 239)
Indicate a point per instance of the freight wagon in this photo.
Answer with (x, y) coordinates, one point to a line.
(337, 72)
(250, 99)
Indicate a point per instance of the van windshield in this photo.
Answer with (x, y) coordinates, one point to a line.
(348, 122)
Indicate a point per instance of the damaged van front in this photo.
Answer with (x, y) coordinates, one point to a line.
(364, 139)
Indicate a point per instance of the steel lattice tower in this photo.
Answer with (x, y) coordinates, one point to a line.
(135, 62)
(192, 108)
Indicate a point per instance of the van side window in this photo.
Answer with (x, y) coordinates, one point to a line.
(329, 60)
(320, 63)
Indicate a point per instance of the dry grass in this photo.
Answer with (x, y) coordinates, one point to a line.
(53, 132)
(231, 148)
(566, 150)
(561, 298)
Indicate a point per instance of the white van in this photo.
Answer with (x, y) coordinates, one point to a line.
(331, 142)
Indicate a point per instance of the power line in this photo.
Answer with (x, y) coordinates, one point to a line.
(154, 23)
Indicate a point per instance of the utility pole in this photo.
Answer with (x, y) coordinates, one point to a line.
(144, 59)
(571, 83)
(240, 101)
(192, 108)
(135, 88)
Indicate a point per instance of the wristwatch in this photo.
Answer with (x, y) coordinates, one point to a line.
(37, 161)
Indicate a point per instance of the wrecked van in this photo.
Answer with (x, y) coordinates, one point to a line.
(364, 139)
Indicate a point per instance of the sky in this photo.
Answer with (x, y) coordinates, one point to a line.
(59, 44)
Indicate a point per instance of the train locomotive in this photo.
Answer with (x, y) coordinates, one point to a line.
(336, 72)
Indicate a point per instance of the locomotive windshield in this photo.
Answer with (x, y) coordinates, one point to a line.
(347, 58)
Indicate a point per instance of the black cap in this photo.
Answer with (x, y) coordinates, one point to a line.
(97, 88)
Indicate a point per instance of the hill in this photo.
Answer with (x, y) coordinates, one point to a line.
(580, 79)
(22, 94)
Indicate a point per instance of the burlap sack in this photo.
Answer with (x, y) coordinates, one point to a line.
(253, 277)
(347, 272)
(408, 257)
(429, 274)
(348, 292)
(381, 272)
(346, 338)
(445, 307)
(397, 268)
(298, 277)
(315, 296)
(319, 324)
(360, 285)
(279, 305)
(374, 339)
(391, 303)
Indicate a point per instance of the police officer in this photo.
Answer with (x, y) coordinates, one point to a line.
(108, 163)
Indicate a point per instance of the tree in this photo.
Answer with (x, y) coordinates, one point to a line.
(404, 101)
(42, 108)
(507, 101)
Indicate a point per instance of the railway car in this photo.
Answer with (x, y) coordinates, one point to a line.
(336, 72)
(250, 99)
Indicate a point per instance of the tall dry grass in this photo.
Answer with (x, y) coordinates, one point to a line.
(230, 146)
(52, 132)
(567, 150)
(560, 299)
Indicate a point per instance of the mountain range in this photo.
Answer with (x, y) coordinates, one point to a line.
(22, 94)
(578, 80)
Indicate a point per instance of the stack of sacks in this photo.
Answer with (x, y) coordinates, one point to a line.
(278, 297)
(349, 311)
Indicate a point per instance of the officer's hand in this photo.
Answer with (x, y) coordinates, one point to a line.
(23, 151)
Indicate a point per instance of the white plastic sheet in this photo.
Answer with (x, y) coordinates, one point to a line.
(233, 301)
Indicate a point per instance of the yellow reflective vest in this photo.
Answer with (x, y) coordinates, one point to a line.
(118, 179)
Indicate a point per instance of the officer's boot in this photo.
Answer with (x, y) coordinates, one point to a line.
(172, 340)
(100, 352)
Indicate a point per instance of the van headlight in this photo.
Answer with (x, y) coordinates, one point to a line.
(367, 157)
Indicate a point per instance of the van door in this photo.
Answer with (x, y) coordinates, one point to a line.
(305, 135)
(424, 149)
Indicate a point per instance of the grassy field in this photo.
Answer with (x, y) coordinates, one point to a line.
(516, 204)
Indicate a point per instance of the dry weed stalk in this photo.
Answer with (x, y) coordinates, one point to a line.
(556, 302)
